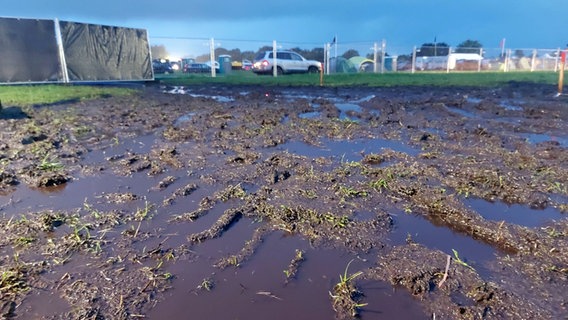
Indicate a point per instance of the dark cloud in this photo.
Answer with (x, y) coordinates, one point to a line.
(196, 10)
(523, 23)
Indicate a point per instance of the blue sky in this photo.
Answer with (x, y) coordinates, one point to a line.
(402, 23)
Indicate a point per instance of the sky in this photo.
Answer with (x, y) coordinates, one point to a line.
(312, 23)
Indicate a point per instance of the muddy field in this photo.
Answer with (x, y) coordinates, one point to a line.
(287, 203)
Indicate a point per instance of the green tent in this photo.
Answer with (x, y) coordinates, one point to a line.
(362, 64)
(342, 65)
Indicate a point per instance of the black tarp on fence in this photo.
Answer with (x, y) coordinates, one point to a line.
(33, 50)
(96, 52)
(28, 51)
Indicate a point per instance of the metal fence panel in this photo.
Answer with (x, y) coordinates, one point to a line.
(369, 57)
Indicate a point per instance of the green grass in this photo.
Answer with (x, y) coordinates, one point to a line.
(367, 79)
(25, 95)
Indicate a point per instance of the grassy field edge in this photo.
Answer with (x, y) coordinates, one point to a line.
(52, 93)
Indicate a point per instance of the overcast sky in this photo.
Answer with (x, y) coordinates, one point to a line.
(402, 23)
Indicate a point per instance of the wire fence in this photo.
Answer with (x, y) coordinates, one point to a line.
(354, 57)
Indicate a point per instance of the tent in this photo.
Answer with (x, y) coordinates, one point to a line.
(341, 65)
(362, 64)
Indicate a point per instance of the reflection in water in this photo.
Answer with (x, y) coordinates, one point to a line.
(535, 138)
(462, 112)
(348, 150)
(422, 231)
(310, 115)
(184, 118)
(510, 107)
(182, 90)
(516, 214)
(347, 109)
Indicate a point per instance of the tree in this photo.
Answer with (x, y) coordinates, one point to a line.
(249, 55)
(203, 58)
(433, 49)
(314, 54)
(159, 51)
(235, 54)
(350, 53)
(317, 54)
(265, 48)
(469, 46)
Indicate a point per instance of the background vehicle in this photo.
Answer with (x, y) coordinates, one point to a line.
(236, 65)
(176, 65)
(247, 65)
(286, 62)
(162, 66)
(196, 68)
(242, 65)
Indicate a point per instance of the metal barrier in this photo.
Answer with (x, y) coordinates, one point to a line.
(369, 57)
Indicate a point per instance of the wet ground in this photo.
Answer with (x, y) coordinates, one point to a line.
(287, 203)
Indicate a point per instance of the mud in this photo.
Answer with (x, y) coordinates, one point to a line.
(282, 202)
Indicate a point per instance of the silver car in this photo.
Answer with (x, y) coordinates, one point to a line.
(286, 62)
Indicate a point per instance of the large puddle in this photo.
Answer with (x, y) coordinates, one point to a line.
(258, 290)
(516, 214)
(536, 138)
(351, 150)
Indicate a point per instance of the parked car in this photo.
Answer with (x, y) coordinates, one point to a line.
(246, 64)
(236, 65)
(162, 66)
(196, 68)
(286, 62)
(176, 65)
(241, 65)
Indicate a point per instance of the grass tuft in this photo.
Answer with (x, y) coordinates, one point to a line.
(345, 295)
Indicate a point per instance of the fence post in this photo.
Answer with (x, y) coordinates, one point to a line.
(448, 60)
(383, 55)
(212, 57)
(375, 51)
(274, 55)
(480, 58)
(507, 57)
(328, 61)
(413, 59)
(321, 75)
(533, 60)
(325, 61)
(62, 59)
